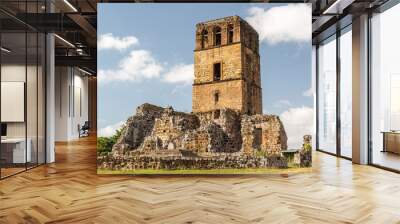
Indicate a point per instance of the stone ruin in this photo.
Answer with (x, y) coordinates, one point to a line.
(154, 128)
(157, 137)
(226, 128)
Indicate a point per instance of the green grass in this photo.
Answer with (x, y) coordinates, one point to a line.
(209, 171)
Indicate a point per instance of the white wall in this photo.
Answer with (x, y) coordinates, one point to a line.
(71, 94)
(34, 125)
(62, 82)
(16, 73)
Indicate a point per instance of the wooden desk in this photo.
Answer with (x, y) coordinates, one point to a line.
(13, 150)
(391, 142)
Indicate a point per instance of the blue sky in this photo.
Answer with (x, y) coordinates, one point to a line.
(143, 49)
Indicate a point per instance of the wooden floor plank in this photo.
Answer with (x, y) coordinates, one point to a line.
(70, 191)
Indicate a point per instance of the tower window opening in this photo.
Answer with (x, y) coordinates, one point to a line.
(217, 71)
(217, 36)
(230, 34)
(204, 38)
(216, 97)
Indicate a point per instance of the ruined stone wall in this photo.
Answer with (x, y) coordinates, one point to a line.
(165, 128)
(196, 141)
(171, 127)
(225, 134)
(249, 136)
(151, 143)
(217, 137)
(263, 132)
(181, 162)
(155, 129)
(274, 137)
(210, 137)
(230, 58)
(230, 122)
(230, 96)
(137, 127)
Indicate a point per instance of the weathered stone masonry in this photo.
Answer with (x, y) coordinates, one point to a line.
(161, 138)
(156, 128)
(232, 44)
(226, 128)
(263, 132)
(137, 127)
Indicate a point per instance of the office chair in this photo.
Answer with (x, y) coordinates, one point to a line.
(84, 130)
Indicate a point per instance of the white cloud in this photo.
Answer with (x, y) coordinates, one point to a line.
(109, 41)
(282, 104)
(109, 130)
(139, 65)
(308, 92)
(181, 73)
(298, 121)
(289, 23)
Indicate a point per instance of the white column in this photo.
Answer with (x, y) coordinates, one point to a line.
(360, 89)
(50, 92)
(50, 99)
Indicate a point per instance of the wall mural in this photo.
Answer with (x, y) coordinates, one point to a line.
(220, 124)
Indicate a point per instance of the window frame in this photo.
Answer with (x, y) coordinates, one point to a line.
(217, 33)
(220, 71)
(337, 34)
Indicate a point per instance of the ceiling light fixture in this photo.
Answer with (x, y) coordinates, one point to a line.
(64, 40)
(84, 71)
(70, 5)
(5, 50)
(337, 7)
(331, 7)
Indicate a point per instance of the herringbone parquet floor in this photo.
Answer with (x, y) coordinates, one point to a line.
(69, 191)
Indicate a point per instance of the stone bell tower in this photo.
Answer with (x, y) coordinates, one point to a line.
(227, 67)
